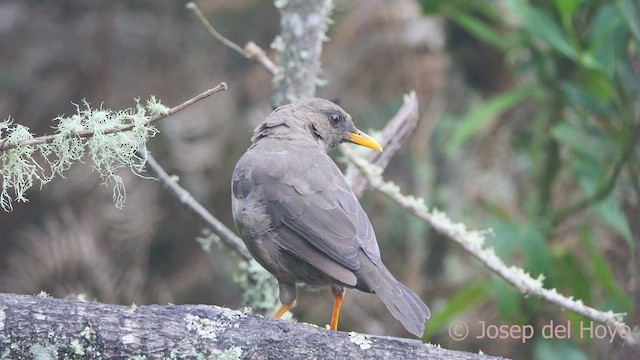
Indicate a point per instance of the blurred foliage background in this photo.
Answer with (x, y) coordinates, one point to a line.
(530, 124)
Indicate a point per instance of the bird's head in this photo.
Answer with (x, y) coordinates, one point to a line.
(322, 120)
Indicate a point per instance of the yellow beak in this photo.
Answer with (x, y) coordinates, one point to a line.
(365, 140)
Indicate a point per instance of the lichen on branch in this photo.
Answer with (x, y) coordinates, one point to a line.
(108, 138)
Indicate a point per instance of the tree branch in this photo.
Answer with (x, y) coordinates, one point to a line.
(303, 26)
(250, 51)
(183, 197)
(473, 243)
(4, 146)
(393, 136)
(94, 330)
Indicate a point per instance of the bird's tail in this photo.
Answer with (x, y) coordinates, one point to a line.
(403, 303)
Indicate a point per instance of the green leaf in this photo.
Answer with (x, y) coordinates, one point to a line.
(597, 83)
(604, 274)
(456, 305)
(591, 175)
(523, 239)
(539, 25)
(607, 40)
(610, 213)
(430, 7)
(507, 300)
(589, 143)
(585, 99)
(629, 9)
(568, 272)
(544, 349)
(482, 115)
(481, 30)
(566, 8)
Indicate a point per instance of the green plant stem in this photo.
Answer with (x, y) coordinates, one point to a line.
(606, 188)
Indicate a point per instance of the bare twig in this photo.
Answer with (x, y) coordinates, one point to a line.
(393, 136)
(185, 198)
(473, 242)
(250, 51)
(253, 51)
(4, 146)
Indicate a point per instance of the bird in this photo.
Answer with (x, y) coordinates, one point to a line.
(300, 220)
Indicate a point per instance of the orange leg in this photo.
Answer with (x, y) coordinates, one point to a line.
(282, 309)
(337, 303)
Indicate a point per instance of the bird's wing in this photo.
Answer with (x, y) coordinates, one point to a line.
(305, 191)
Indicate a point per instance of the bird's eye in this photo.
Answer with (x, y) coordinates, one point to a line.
(335, 119)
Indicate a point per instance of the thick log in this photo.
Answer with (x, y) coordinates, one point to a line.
(47, 328)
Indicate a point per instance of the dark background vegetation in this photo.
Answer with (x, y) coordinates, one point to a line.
(530, 112)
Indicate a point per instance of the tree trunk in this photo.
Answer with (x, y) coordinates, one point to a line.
(303, 26)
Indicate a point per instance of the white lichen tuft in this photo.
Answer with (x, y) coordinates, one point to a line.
(88, 333)
(205, 328)
(3, 317)
(259, 287)
(76, 348)
(234, 353)
(278, 44)
(155, 107)
(360, 340)
(40, 352)
(280, 4)
(18, 167)
(109, 150)
(132, 309)
(208, 238)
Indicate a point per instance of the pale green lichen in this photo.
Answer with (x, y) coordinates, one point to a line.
(128, 339)
(231, 314)
(132, 308)
(360, 340)
(155, 107)
(173, 354)
(43, 294)
(280, 4)
(259, 287)
(76, 347)
(234, 353)
(3, 317)
(205, 328)
(278, 44)
(40, 352)
(18, 168)
(88, 333)
(109, 151)
(207, 238)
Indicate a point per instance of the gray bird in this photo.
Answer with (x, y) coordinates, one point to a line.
(301, 221)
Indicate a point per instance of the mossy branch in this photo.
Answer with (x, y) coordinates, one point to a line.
(473, 242)
(34, 327)
(7, 144)
(111, 137)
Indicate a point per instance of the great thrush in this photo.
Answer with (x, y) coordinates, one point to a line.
(301, 221)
